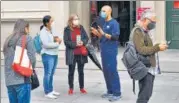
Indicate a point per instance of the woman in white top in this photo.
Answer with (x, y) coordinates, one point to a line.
(50, 45)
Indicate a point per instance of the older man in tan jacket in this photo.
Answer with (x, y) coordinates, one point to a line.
(146, 24)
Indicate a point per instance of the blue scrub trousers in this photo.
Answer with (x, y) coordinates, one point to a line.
(109, 63)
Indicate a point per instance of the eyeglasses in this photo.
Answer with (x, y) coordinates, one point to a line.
(151, 20)
(76, 19)
(103, 11)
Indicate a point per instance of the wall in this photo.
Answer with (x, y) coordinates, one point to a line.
(161, 21)
(33, 11)
(60, 11)
(82, 8)
(12, 10)
(159, 8)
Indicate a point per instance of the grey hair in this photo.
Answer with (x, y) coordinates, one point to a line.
(147, 14)
(19, 30)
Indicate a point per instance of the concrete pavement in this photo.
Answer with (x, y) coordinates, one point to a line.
(165, 89)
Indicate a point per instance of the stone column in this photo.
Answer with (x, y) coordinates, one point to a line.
(60, 11)
(150, 4)
(82, 8)
(159, 8)
(161, 21)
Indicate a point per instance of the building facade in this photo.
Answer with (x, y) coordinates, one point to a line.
(33, 11)
(167, 12)
(168, 21)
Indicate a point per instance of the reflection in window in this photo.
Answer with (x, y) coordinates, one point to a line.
(176, 4)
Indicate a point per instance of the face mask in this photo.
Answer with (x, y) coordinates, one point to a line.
(103, 15)
(75, 22)
(53, 23)
(151, 25)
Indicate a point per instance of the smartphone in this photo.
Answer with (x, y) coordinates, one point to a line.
(55, 38)
(168, 42)
(78, 38)
(94, 25)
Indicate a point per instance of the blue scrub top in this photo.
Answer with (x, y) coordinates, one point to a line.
(110, 27)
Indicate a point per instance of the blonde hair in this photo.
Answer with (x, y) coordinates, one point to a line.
(70, 21)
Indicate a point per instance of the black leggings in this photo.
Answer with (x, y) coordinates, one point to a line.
(80, 74)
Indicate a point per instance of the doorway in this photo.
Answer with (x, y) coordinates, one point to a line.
(123, 11)
(172, 27)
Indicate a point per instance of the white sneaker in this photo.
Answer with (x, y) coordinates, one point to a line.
(50, 96)
(55, 93)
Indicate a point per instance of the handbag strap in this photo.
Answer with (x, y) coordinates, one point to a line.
(23, 41)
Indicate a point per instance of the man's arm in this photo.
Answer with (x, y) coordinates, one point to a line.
(138, 40)
(115, 32)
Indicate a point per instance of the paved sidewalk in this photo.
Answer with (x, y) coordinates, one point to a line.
(165, 89)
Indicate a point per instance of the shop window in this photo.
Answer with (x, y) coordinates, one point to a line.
(176, 4)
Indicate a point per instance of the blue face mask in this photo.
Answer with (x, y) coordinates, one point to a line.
(103, 15)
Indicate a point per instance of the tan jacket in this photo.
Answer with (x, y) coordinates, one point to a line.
(150, 49)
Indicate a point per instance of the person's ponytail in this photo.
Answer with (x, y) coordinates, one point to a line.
(41, 27)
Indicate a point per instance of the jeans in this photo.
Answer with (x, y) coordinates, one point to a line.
(50, 64)
(19, 93)
(80, 73)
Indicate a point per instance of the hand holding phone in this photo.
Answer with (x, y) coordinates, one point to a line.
(57, 39)
(163, 47)
(94, 25)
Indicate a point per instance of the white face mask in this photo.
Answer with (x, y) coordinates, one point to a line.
(76, 22)
(53, 23)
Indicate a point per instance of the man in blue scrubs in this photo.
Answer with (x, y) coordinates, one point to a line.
(109, 35)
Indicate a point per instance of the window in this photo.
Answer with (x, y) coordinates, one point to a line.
(176, 4)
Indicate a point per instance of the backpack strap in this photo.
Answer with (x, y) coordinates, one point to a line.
(132, 33)
(133, 82)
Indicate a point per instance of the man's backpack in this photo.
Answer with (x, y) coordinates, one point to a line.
(37, 43)
(134, 62)
(135, 67)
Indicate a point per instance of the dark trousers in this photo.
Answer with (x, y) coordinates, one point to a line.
(80, 73)
(145, 88)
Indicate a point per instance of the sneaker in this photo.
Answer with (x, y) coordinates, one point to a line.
(55, 93)
(70, 92)
(50, 96)
(107, 95)
(114, 98)
(83, 91)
